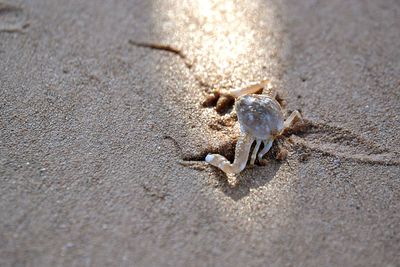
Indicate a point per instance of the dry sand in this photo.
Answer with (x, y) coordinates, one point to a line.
(101, 138)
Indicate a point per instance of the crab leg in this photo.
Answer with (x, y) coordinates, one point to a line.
(241, 155)
(267, 147)
(248, 90)
(292, 119)
(253, 156)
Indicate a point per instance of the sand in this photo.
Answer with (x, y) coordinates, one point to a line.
(102, 138)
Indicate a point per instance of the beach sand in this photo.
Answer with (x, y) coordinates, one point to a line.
(103, 133)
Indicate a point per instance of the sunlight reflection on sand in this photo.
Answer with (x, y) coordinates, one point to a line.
(231, 47)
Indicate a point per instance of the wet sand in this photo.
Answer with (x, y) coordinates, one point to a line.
(103, 133)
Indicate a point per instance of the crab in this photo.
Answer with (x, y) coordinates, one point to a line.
(261, 120)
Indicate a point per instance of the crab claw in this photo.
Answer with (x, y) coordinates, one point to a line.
(241, 155)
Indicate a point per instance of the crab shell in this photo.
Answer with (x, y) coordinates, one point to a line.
(260, 116)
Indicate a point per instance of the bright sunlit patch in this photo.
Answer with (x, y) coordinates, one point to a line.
(227, 35)
(231, 43)
(224, 38)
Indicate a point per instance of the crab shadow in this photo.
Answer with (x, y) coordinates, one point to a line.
(240, 186)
